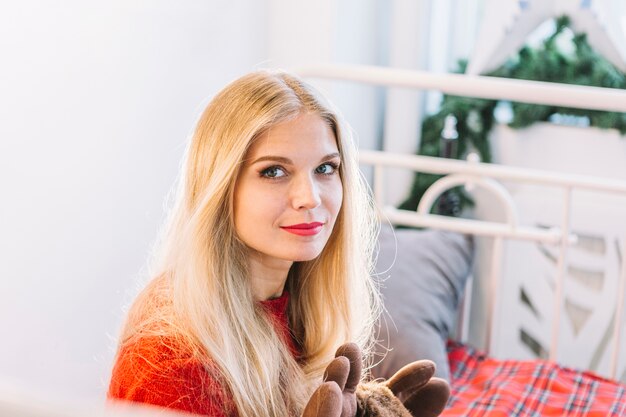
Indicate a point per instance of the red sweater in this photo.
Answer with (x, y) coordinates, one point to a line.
(180, 381)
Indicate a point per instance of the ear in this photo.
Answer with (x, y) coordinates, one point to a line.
(411, 378)
(430, 400)
(353, 353)
(326, 401)
(338, 371)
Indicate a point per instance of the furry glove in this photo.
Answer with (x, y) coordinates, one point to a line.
(411, 392)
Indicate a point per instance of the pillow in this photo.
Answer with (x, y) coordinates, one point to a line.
(421, 291)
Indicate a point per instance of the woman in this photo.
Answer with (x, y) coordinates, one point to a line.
(264, 266)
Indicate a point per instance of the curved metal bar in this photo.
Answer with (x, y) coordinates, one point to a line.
(450, 181)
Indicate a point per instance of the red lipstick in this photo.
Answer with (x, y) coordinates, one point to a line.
(304, 229)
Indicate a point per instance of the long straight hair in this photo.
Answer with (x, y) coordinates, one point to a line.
(201, 295)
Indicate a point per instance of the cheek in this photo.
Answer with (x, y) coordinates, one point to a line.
(255, 206)
(243, 207)
(335, 198)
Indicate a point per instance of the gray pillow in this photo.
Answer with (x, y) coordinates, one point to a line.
(421, 293)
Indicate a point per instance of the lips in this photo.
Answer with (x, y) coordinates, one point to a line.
(304, 229)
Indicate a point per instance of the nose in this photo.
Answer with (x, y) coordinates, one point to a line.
(305, 193)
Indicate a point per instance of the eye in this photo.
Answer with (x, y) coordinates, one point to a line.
(328, 168)
(273, 172)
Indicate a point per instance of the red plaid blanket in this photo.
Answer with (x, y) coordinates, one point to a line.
(488, 387)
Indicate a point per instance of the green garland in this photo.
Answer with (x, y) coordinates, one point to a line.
(475, 117)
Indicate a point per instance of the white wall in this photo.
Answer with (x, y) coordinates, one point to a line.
(96, 101)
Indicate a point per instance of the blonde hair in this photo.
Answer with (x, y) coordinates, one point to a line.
(202, 296)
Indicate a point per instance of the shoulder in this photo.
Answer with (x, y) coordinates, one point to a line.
(160, 371)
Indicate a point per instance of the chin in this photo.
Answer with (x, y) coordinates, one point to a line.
(304, 256)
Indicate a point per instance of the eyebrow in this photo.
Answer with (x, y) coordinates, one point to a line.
(284, 160)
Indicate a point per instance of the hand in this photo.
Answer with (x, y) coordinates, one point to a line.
(336, 397)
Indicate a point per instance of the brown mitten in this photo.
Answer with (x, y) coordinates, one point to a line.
(412, 391)
(336, 397)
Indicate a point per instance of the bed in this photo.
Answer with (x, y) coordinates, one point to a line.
(426, 275)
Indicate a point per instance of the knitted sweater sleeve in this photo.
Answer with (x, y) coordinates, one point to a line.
(155, 370)
(151, 372)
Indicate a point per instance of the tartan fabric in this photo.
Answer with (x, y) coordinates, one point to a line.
(482, 386)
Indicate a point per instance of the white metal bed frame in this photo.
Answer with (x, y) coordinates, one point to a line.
(472, 173)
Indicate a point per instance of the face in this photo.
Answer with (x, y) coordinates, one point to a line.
(289, 192)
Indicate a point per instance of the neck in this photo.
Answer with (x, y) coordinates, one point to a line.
(268, 276)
